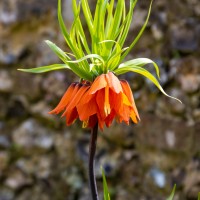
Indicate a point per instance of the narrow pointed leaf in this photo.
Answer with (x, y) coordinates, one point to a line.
(116, 50)
(46, 68)
(139, 34)
(141, 62)
(105, 187)
(113, 61)
(70, 41)
(145, 73)
(121, 29)
(99, 25)
(75, 23)
(109, 17)
(117, 19)
(58, 51)
(114, 25)
(64, 30)
(126, 26)
(171, 197)
(80, 71)
(88, 15)
(87, 57)
(79, 27)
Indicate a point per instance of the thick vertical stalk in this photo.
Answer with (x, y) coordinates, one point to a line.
(92, 150)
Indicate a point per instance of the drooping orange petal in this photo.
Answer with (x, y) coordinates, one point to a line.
(71, 116)
(113, 82)
(86, 97)
(99, 83)
(124, 114)
(127, 91)
(87, 110)
(100, 121)
(134, 117)
(76, 98)
(65, 99)
(100, 96)
(125, 100)
(115, 100)
(109, 118)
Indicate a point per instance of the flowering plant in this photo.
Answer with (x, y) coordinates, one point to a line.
(98, 64)
(99, 97)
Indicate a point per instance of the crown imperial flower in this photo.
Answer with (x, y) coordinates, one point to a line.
(100, 96)
(101, 101)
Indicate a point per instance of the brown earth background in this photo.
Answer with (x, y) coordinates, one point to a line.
(42, 159)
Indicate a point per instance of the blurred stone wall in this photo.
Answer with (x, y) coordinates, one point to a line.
(42, 159)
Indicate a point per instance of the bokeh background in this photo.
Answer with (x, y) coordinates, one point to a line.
(42, 159)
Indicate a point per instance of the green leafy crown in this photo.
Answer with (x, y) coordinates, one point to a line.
(108, 28)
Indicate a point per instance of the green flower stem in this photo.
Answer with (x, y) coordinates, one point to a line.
(92, 150)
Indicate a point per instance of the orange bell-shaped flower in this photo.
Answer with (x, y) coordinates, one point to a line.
(101, 101)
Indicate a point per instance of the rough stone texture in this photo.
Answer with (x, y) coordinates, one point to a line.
(42, 159)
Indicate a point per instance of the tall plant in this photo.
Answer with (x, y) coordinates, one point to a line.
(99, 97)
